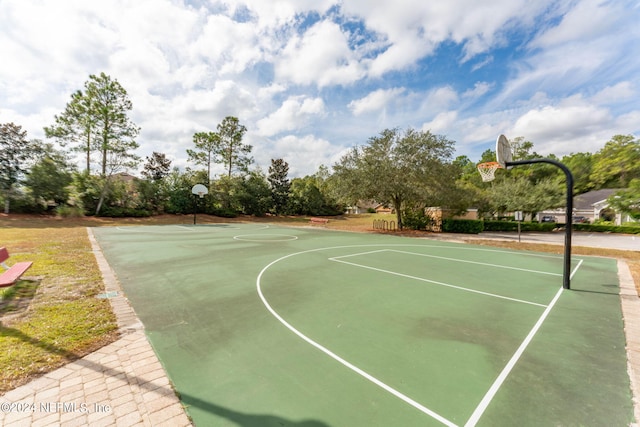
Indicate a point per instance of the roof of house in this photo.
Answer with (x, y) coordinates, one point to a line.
(587, 200)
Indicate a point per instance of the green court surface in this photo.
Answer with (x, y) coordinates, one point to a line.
(270, 326)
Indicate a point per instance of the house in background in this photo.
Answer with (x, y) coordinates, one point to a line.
(590, 207)
(366, 206)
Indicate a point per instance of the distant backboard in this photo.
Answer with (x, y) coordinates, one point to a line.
(199, 190)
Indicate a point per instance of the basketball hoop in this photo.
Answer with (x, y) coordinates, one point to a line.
(487, 170)
(199, 190)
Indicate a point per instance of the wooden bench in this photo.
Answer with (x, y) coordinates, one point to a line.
(318, 220)
(13, 273)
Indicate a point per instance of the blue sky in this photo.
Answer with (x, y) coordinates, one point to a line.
(312, 78)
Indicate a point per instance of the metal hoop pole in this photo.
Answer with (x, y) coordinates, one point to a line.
(566, 276)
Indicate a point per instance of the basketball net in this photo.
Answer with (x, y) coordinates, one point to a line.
(487, 170)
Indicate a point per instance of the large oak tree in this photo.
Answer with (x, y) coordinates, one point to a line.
(402, 168)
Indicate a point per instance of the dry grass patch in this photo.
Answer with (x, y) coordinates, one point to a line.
(53, 317)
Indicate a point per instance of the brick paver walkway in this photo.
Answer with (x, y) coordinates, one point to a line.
(122, 384)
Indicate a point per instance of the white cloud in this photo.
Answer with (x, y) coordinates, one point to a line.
(479, 89)
(589, 19)
(275, 13)
(561, 121)
(294, 113)
(441, 98)
(628, 123)
(374, 101)
(304, 154)
(573, 125)
(441, 122)
(613, 94)
(414, 29)
(320, 56)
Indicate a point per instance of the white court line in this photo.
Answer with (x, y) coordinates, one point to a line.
(491, 250)
(478, 263)
(453, 259)
(472, 249)
(485, 401)
(360, 253)
(339, 359)
(155, 229)
(438, 283)
(575, 270)
(488, 397)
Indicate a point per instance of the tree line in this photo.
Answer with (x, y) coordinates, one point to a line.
(406, 169)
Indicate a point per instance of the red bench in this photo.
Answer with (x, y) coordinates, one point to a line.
(13, 273)
(318, 220)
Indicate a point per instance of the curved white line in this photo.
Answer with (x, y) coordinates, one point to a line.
(335, 356)
(487, 398)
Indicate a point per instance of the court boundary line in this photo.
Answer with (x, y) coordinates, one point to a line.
(480, 263)
(495, 387)
(265, 240)
(456, 260)
(435, 282)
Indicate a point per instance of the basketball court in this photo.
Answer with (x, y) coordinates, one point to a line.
(260, 325)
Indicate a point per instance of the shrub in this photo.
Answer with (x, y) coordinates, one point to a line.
(513, 226)
(468, 226)
(597, 228)
(631, 224)
(120, 212)
(66, 211)
(500, 226)
(416, 220)
(223, 212)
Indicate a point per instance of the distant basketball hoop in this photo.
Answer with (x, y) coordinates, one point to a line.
(200, 191)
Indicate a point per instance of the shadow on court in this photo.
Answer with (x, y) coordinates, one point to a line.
(247, 420)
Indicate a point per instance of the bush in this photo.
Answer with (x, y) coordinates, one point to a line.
(513, 226)
(468, 226)
(118, 212)
(417, 220)
(223, 212)
(500, 226)
(66, 211)
(631, 224)
(598, 228)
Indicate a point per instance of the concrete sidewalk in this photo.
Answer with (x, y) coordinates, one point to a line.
(625, 242)
(122, 384)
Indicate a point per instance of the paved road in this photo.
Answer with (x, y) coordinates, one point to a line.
(627, 242)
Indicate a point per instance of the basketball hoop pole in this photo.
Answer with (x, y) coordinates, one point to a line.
(566, 276)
